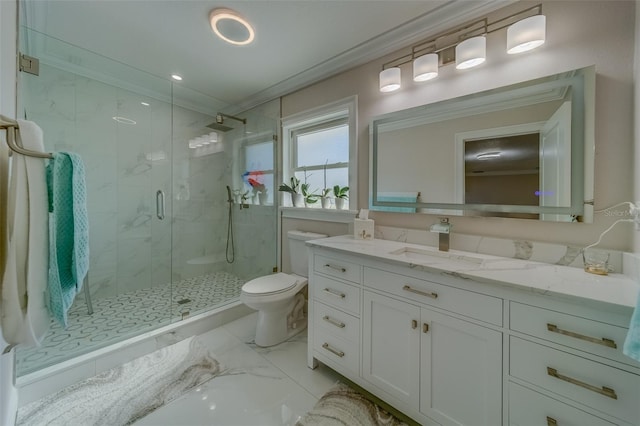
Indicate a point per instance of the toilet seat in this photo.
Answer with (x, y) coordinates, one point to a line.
(270, 284)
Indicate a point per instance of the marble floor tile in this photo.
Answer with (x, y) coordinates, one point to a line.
(258, 386)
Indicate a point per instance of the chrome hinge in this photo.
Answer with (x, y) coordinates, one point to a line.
(29, 64)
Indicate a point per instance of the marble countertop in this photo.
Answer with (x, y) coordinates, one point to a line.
(541, 278)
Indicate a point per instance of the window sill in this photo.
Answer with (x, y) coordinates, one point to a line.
(322, 215)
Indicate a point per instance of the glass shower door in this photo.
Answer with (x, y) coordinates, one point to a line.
(119, 120)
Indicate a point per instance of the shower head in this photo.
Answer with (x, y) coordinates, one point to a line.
(219, 127)
(219, 124)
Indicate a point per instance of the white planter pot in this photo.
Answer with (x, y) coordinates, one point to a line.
(340, 203)
(325, 202)
(262, 197)
(297, 200)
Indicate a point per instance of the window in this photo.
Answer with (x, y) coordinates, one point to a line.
(258, 160)
(319, 149)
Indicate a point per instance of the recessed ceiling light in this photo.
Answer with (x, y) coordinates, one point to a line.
(144, 103)
(231, 27)
(176, 77)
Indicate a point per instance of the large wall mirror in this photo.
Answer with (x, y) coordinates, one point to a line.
(519, 151)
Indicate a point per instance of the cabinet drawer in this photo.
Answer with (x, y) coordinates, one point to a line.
(336, 322)
(463, 302)
(336, 350)
(599, 386)
(338, 268)
(580, 333)
(337, 294)
(530, 408)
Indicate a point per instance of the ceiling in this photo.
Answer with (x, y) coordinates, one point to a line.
(297, 42)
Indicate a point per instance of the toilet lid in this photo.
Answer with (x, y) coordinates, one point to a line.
(270, 284)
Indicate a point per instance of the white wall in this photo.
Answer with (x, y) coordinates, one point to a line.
(8, 11)
(579, 34)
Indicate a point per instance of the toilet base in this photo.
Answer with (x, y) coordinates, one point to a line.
(275, 327)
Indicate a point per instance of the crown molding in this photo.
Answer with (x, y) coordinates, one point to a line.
(450, 14)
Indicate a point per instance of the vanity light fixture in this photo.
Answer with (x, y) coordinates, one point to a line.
(466, 46)
(425, 67)
(176, 77)
(231, 27)
(390, 79)
(527, 34)
(471, 52)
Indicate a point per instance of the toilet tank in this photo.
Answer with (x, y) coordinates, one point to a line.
(298, 250)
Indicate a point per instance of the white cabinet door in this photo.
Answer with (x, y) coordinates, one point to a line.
(461, 371)
(391, 347)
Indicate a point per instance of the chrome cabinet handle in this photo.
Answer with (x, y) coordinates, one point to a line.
(337, 268)
(335, 293)
(331, 321)
(425, 327)
(608, 392)
(160, 204)
(421, 293)
(603, 341)
(333, 351)
(414, 324)
(551, 421)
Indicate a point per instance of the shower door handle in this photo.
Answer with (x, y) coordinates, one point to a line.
(160, 204)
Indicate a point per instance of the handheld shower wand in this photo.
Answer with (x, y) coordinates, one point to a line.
(230, 254)
(229, 199)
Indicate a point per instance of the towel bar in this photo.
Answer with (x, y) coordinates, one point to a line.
(11, 126)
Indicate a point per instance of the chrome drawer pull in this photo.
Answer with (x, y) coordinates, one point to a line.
(330, 320)
(604, 342)
(333, 351)
(425, 327)
(421, 293)
(335, 293)
(414, 324)
(551, 421)
(337, 268)
(608, 392)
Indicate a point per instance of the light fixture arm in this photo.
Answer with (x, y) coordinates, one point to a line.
(479, 27)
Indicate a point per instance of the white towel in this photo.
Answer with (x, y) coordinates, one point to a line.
(24, 314)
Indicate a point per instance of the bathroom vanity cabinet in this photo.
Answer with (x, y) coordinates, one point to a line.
(447, 347)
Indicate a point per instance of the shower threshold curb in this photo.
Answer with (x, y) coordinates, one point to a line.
(40, 383)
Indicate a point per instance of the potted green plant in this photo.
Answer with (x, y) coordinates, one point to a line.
(294, 189)
(324, 198)
(309, 197)
(341, 194)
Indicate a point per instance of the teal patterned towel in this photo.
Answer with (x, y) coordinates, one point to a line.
(397, 197)
(68, 232)
(631, 346)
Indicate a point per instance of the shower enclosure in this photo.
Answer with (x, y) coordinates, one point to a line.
(157, 171)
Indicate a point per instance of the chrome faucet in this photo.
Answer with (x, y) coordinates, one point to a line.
(443, 228)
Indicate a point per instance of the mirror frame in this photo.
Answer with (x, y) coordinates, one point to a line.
(582, 82)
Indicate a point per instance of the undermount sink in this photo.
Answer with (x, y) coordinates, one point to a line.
(412, 253)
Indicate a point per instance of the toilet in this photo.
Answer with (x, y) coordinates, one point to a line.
(278, 298)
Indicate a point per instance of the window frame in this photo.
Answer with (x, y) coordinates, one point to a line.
(344, 110)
